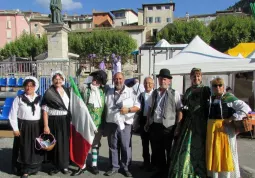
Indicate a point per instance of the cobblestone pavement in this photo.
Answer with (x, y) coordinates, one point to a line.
(246, 149)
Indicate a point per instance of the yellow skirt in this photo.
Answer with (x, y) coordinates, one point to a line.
(218, 152)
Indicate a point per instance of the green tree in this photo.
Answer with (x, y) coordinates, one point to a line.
(184, 32)
(102, 43)
(25, 46)
(229, 31)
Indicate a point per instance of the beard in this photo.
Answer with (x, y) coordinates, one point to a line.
(119, 86)
(164, 86)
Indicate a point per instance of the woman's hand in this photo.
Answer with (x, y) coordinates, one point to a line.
(46, 130)
(16, 133)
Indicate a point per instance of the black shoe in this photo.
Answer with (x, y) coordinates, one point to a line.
(34, 173)
(110, 172)
(78, 172)
(157, 175)
(53, 171)
(65, 171)
(94, 170)
(127, 174)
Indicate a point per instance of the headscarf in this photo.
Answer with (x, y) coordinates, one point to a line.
(58, 72)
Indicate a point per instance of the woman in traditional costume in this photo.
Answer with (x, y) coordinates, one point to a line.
(188, 155)
(56, 116)
(94, 97)
(221, 146)
(25, 117)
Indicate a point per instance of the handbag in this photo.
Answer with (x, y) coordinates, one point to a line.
(45, 142)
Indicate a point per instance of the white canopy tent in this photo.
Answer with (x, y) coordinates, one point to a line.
(212, 62)
(199, 54)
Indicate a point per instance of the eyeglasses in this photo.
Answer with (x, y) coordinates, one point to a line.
(219, 85)
(148, 83)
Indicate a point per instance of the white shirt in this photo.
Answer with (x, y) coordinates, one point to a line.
(115, 101)
(157, 118)
(22, 111)
(146, 100)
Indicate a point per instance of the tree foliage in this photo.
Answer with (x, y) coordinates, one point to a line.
(102, 43)
(244, 5)
(184, 32)
(25, 46)
(228, 31)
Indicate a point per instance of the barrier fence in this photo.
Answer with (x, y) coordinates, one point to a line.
(12, 73)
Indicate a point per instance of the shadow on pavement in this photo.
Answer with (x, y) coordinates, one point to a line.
(6, 157)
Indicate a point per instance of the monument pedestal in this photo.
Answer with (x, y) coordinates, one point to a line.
(57, 35)
(58, 59)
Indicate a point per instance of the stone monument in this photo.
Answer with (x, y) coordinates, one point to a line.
(57, 35)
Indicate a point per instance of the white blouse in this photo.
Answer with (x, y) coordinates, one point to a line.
(55, 112)
(22, 111)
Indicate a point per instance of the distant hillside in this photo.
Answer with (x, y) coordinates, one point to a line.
(244, 5)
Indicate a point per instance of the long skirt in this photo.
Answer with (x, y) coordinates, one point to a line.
(221, 151)
(26, 159)
(188, 155)
(60, 128)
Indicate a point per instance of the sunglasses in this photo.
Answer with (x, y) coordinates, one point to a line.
(219, 85)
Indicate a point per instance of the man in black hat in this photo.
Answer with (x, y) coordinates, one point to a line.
(164, 110)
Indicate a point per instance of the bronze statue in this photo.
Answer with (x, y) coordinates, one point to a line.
(55, 8)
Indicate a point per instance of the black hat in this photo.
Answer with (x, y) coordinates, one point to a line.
(99, 75)
(164, 73)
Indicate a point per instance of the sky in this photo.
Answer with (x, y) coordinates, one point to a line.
(193, 7)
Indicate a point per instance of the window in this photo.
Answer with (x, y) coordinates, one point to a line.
(158, 7)
(9, 34)
(168, 20)
(38, 35)
(150, 19)
(150, 8)
(9, 24)
(167, 7)
(157, 19)
(122, 23)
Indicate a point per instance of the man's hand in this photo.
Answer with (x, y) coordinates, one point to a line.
(123, 110)
(146, 127)
(177, 130)
(16, 133)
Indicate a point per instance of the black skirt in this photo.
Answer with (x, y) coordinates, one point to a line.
(25, 157)
(60, 128)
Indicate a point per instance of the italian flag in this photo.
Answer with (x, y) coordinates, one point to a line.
(82, 130)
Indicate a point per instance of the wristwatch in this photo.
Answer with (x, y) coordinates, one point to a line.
(129, 109)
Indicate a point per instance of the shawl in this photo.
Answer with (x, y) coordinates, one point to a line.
(29, 103)
(52, 99)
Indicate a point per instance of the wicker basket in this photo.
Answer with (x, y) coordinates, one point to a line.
(44, 137)
(244, 125)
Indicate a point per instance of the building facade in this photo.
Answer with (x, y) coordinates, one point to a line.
(12, 25)
(156, 16)
(102, 19)
(124, 17)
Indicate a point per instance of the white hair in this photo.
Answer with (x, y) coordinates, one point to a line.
(148, 77)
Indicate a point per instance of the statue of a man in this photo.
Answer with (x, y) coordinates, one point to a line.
(55, 8)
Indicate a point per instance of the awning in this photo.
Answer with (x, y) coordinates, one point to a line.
(136, 52)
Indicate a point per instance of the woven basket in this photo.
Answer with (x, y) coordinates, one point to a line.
(43, 136)
(244, 125)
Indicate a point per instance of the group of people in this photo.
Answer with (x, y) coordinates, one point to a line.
(190, 136)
